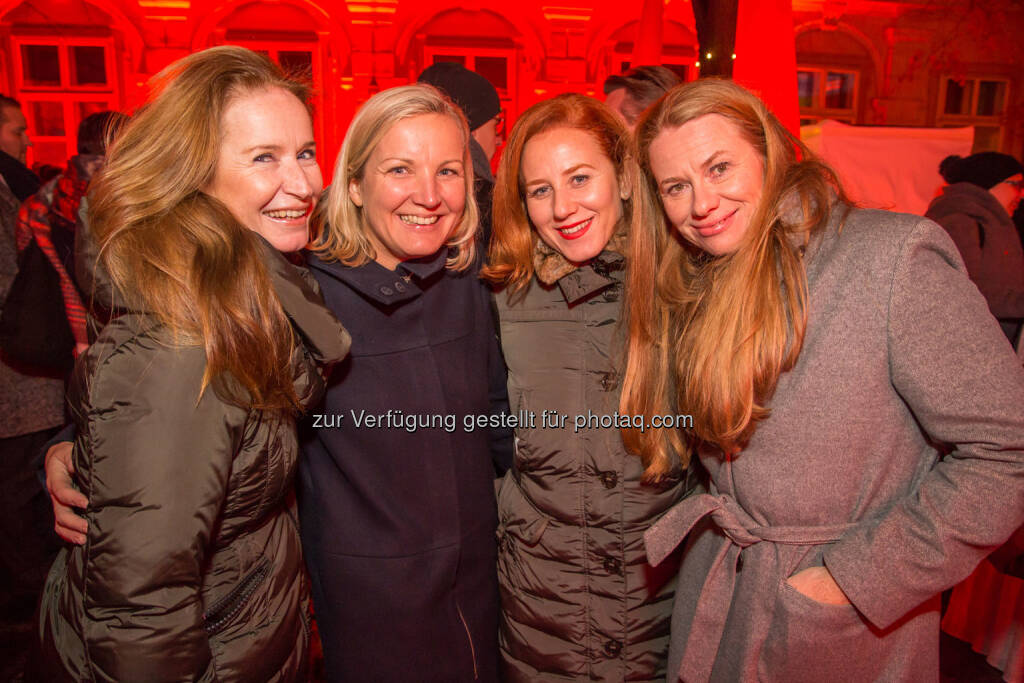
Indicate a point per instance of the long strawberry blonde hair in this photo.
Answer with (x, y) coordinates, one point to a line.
(709, 336)
(510, 259)
(177, 253)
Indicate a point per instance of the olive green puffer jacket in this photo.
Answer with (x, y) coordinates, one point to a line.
(579, 600)
(192, 569)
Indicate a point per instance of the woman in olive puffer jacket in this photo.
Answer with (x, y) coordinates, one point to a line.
(185, 405)
(579, 600)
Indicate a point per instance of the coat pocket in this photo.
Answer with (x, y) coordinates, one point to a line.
(225, 609)
(813, 641)
(517, 516)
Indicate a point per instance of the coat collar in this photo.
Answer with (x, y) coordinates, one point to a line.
(381, 285)
(577, 282)
(324, 337)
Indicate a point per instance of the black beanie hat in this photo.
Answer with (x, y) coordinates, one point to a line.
(472, 92)
(984, 169)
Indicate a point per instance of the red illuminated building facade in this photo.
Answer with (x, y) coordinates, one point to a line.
(917, 63)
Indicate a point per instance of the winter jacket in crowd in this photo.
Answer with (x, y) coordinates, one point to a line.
(900, 355)
(192, 568)
(991, 248)
(579, 600)
(29, 400)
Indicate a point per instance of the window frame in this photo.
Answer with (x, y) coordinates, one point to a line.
(818, 111)
(998, 121)
(66, 92)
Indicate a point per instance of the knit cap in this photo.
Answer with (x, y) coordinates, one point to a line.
(984, 169)
(473, 93)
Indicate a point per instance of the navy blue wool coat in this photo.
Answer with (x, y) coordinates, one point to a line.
(398, 519)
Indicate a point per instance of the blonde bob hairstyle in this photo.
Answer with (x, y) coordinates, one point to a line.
(709, 336)
(513, 240)
(340, 226)
(175, 252)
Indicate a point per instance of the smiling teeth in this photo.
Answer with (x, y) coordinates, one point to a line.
(290, 213)
(576, 229)
(419, 220)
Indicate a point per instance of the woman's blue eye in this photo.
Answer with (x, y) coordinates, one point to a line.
(719, 169)
(579, 179)
(307, 154)
(399, 170)
(266, 156)
(538, 192)
(674, 189)
(448, 172)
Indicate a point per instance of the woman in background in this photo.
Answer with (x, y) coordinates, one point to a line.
(823, 352)
(190, 567)
(579, 600)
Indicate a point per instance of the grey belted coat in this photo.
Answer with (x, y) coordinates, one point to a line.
(900, 353)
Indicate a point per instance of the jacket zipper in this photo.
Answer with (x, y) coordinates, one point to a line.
(227, 607)
(469, 637)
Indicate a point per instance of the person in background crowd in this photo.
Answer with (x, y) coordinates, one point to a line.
(579, 600)
(190, 568)
(975, 209)
(14, 144)
(629, 93)
(398, 518)
(46, 172)
(479, 101)
(856, 406)
(49, 216)
(31, 402)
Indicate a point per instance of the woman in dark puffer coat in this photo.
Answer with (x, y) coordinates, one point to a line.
(579, 600)
(185, 405)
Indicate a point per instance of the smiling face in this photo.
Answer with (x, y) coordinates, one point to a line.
(266, 172)
(709, 179)
(573, 195)
(413, 188)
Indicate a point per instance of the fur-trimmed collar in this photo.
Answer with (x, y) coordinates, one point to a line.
(550, 266)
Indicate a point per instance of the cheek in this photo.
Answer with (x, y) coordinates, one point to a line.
(677, 211)
(537, 213)
(455, 197)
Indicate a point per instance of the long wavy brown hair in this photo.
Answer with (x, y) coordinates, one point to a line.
(510, 259)
(179, 254)
(709, 336)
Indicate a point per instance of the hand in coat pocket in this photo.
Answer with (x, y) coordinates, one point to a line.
(817, 584)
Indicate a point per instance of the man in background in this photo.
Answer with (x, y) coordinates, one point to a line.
(628, 94)
(479, 101)
(31, 403)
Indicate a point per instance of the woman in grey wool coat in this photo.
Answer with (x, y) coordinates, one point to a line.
(858, 410)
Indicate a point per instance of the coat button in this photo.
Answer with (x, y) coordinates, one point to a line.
(609, 478)
(399, 286)
(612, 565)
(608, 381)
(386, 291)
(612, 648)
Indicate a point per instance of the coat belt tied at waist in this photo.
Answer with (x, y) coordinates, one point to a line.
(716, 594)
